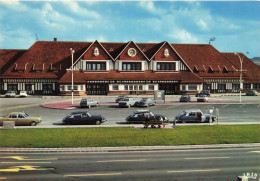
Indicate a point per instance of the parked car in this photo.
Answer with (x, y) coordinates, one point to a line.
(203, 98)
(10, 94)
(185, 98)
(127, 102)
(194, 115)
(88, 103)
(83, 117)
(252, 93)
(146, 102)
(203, 92)
(141, 115)
(23, 94)
(120, 98)
(21, 119)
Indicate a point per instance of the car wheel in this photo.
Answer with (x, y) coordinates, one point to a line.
(98, 122)
(33, 123)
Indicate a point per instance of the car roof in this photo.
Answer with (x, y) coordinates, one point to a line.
(193, 110)
(142, 111)
(79, 112)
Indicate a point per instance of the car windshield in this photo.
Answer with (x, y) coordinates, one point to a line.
(126, 100)
(25, 115)
(144, 99)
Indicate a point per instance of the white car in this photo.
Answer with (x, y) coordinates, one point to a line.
(10, 94)
(203, 98)
(23, 94)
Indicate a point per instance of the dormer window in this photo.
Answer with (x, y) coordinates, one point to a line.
(96, 52)
(166, 52)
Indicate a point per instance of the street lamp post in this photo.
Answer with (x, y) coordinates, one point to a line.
(72, 86)
(241, 63)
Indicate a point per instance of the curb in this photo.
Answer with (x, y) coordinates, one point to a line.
(131, 148)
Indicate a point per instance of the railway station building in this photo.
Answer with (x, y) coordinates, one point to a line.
(105, 68)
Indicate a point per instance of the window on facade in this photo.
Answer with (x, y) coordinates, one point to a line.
(115, 87)
(129, 66)
(96, 65)
(150, 87)
(192, 87)
(131, 87)
(256, 86)
(166, 66)
(247, 86)
(126, 87)
(62, 88)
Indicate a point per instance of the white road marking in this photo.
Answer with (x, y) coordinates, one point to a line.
(224, 106)
(91, 175)
(139, 160)
(205, 158)
(188, 171)
(254, 152)
(242, 106)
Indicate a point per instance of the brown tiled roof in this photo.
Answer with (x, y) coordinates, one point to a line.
(203, 59)
(251, 72)
(8, 57)
(55, 53)
(82, 77)
(206, 59)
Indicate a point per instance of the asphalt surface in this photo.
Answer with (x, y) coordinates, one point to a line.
(181, 165)
(53, 109)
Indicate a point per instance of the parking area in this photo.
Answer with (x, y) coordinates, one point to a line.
(230, 110)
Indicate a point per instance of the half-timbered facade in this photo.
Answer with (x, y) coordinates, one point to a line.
(101, 68)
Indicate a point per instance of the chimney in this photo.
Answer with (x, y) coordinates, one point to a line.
(54, 39)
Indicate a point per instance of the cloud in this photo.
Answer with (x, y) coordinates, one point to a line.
(79, 10)
(183, 36)
(150, 7)
(203, 25)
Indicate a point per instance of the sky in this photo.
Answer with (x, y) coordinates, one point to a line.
(234, 24)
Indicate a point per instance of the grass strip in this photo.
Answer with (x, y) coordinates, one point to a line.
(129, 136)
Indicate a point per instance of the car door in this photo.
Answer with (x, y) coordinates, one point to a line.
(21, 120)
(86, 119)
(13, 117)
(192, 117)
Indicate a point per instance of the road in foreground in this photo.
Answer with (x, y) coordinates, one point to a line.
(202, 165)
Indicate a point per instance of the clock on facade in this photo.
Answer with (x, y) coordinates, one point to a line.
(131, 52)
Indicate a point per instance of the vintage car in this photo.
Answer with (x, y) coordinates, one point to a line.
(202, 98)
(203, 92)
(194, 115)
(21, 119)
(185, 98)
(23, 94)
(146, 102)
(252, 93)
(88, 103)
(10, 94)
(120, 98)
(127, 102)
(141, 115)
(83, 117)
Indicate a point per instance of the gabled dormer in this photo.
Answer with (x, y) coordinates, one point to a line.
(166, 59)
(131, 59)
(95, 58)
